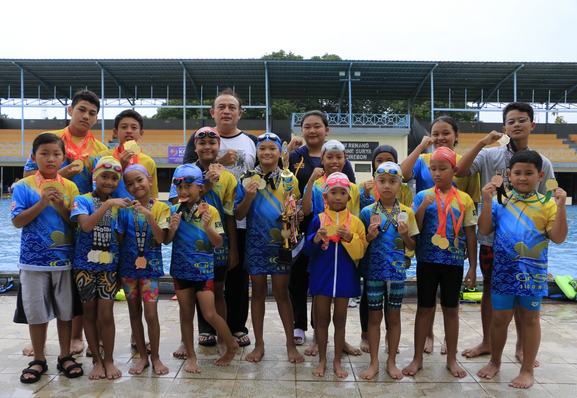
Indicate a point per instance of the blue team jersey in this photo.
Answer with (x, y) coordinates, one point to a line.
(426, 251)
(520, 246)
(47, 241)
(84, 205)
(385, 257)
(263, 229)
(192, 252)
(152, 248)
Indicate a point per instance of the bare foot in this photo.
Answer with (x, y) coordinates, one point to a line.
(520, 357)
(365, 345)
(339, 371)
(140, 366)
(320, 370)
(370, 372)
(191, 366)
(28, 350)
(112, 372)
(294, 355)
(256, 354)
(227, 357)
(349, 349)
(313, 350)
(159, 367)
(76, 346)
(180, 353)
(97, 372)
(524, 380)
(413, 368)
(481, 349)
(429, 345)
(489, 371)
(393, 371)
(444, 348)
(455, 369)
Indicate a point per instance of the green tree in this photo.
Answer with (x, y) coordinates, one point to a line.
(4, 116)
(326, 57)
(282, 55)
(559, 119)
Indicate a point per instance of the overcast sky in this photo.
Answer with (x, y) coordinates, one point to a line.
(450, 30)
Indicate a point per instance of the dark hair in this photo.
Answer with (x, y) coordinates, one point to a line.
(128, 113)
(86, 95)
(446, 119)
(518, 106)
(47, 138)
(320, 114)
(527, 157)
(228, 91)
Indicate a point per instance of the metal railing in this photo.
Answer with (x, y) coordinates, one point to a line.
(360, 120)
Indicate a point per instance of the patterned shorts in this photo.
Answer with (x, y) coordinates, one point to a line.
(147, 288)
(388, 292)
(94, 285)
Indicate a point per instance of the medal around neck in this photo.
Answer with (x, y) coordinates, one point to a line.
(403, 216)
(140, 263)
(216, 167)
(551, 184)
(376, 219)
(504, 140)
(53, 184)
(77, 164)
(203, 207)
(497, 180)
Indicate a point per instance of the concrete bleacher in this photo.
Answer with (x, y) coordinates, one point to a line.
(549, 145)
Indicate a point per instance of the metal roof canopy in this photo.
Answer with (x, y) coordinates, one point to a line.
(137, 79)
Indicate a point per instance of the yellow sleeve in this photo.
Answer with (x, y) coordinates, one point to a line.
(215, 221)
(470, 217)
(229, 192)
(354, 204)
(406, 195)
(162, 215)
(151, 167)
(72, 192)
(358, 245)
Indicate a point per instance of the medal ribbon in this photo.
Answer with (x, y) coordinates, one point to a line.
(189, 214)
(41, 180)
(141, 237)
(523, 197)
(272, 178)
(80, 151)
(443, 213)
(391, 216)
(102, 232)
(118, 151)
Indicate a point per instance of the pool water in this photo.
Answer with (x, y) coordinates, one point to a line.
(561, 256)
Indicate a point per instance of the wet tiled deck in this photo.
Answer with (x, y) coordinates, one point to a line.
(276, 377)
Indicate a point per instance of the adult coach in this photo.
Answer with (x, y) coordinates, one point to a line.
(238, 155)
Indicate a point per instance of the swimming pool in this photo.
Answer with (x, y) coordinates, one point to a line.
(561, 256)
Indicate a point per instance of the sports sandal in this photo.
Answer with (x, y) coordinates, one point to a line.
(33, 372)
(60, 367)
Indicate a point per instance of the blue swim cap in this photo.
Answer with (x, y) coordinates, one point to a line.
(187, 170)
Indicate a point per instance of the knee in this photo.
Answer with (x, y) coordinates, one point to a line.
(150, 315)
(280, 294)
(259, 293)
(339, 321)
(375, 317)
(322, 320)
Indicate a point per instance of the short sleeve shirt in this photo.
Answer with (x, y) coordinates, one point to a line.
(47, 241)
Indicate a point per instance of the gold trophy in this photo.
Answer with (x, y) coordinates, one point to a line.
(293, 241)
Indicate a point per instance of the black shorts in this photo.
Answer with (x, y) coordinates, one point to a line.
(486, 256)
(220, 273)
(198, 286)
(430, 276)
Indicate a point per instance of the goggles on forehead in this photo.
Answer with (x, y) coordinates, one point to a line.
(394, 172)
(268, 136)
(206, 133)
(108, 166)
(185, 179)
(334, 181)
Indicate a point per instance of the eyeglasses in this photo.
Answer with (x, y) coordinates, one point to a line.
(206, 133)
(185, 179)
(394, 172)
(268, 136)
(334, 181)
(108, 166)
(521, 120)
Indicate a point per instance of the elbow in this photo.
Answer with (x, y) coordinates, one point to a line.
(17, 224)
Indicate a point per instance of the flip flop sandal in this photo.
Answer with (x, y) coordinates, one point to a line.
(299, 334)
(209, 340)
(33, 372)
(67, 370)
(240, 336)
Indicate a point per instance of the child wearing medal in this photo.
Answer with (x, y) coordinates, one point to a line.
(335, 243)
(446, 218)
(95, 262)
(195, 228)
(523, 223)
(260, 198)
(41, 207)
(391, 229)
(141, 232)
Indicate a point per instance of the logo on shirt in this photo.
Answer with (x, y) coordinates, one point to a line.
(13, 206)
(74, 206)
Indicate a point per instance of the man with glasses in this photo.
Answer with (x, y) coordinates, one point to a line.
(237, 155)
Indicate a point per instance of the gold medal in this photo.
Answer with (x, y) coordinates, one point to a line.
(132, 146)
(331, 230)
(77, 163)
(443, 243)
(245, 182)
(435, 239)
(140, 262)
(104, 258)
(53, 184)
(551, 183)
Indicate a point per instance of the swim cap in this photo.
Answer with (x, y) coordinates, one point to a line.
(445, 154)
(332, 146)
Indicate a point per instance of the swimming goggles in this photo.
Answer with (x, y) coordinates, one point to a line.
(206, 133)
(108, 166)
(268, 136)
(335, 181)
(394, 172)
(185, 179)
